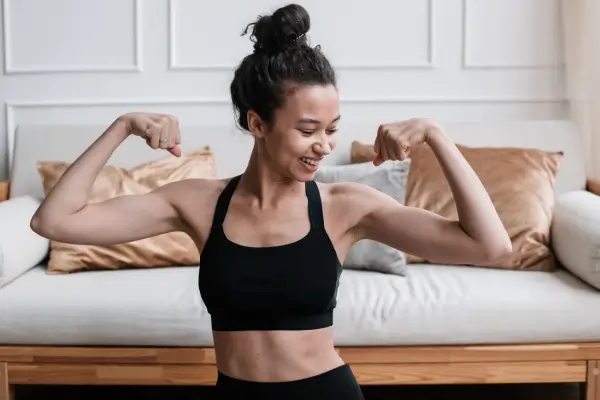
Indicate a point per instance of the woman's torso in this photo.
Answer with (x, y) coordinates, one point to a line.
(273, 273)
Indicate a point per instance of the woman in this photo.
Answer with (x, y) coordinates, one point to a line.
(272, 240)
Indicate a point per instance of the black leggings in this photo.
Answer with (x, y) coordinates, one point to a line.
(338, 383)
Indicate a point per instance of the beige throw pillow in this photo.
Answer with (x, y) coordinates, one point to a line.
(171, 249)
(520, 183)
(361, 152)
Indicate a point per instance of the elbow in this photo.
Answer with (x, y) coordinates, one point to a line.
(496, 250)
(36, 224)
(43, 226)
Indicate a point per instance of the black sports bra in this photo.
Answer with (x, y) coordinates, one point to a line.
(287, 287)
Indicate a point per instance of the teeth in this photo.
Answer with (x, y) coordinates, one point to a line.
(308, 161)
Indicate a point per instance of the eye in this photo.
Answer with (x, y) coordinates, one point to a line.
(311, 131)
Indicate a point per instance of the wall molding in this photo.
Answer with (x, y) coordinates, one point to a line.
(9, 131)
(429, 63)
(137, 66)
(11, 106)
(468, 64)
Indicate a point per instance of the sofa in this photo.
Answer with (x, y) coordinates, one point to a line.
(432, 324)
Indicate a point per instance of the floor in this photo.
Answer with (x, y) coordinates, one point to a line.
(487, 392)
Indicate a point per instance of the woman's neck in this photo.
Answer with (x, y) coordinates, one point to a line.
(266, 185)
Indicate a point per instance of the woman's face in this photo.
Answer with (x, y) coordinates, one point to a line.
(303, 132)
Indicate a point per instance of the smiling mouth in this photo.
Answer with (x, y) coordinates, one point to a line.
(309, 161)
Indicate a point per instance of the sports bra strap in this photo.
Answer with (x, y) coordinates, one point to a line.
(223, 202)
(315, 207)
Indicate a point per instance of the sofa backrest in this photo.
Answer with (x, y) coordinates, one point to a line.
(232, 147)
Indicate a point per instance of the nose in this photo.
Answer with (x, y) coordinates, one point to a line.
(323, 147)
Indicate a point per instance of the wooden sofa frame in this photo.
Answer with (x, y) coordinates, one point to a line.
(403, 365)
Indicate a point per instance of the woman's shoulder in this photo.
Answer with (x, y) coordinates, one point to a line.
(345, 205)
(195, 185)
(344, 191)
(196, 190)
(349, 196)
(196, 199)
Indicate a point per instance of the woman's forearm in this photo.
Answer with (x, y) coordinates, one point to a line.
(71, 193)
(476, 212)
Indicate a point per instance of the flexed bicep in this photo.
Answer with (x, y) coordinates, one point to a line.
(415, 231)
(118, 220)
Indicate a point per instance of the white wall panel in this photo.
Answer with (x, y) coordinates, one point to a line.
(375, 34)
(71, 36)
(512, 34)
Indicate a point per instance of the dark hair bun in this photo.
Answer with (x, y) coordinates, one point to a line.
(285, 28)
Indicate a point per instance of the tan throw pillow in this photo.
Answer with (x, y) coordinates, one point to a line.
(361, 153)
(171, 249)
(520, 183)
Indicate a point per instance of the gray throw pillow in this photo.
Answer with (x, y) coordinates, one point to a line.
(389, 178)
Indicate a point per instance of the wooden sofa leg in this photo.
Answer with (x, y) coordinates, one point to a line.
(592, 386)
(7, 392)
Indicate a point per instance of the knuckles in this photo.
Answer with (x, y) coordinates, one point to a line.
(160, 131)
(167, 120)
(163, 119)
(400, 136)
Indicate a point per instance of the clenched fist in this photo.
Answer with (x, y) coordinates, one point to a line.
(160, 131)
(395, 140)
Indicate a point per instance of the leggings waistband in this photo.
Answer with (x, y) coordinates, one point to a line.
(338, 382)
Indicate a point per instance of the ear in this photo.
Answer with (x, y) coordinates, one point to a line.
(256, 125)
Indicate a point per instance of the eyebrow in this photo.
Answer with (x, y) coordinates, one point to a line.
(316, 121)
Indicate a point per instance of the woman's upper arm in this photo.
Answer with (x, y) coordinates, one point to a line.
(118, 220)
(412, 230)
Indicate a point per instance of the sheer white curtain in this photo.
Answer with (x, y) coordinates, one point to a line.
(581, 33)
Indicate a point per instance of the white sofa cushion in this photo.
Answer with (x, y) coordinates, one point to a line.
(576, 235)
(20, 247)
(389, 178)
(432, 304)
